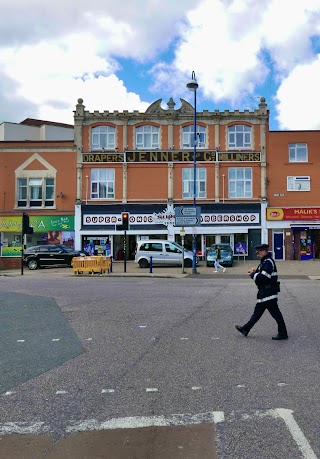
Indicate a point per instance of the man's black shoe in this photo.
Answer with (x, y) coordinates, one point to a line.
(240, 329)
(278, 337)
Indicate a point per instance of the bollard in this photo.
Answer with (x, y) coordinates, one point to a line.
(150, 268)
(110, 270)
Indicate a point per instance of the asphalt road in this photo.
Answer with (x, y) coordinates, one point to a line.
(140, 360)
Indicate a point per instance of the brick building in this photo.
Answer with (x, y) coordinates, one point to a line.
(37, 176)
(142, 163)
(293, 178)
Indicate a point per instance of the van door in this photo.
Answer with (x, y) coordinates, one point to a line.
(157, 252)
(173, 255)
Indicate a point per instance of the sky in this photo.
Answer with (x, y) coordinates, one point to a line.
(125, 54)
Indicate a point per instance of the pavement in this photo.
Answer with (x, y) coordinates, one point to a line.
(296, 268)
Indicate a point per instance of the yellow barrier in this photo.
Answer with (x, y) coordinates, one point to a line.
(91, 265)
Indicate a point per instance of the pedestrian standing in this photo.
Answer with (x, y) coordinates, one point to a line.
(266, 279)
(217, 264)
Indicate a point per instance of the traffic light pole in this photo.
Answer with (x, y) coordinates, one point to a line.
(22, 249)
(125, 252)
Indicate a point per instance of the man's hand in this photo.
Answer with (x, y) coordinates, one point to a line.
(252, 270)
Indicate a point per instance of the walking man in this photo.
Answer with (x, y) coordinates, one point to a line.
(217, 264)
(266, 279)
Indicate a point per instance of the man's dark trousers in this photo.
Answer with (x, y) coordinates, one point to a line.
(272, 306)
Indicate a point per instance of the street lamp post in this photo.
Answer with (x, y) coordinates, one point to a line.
(193, 86)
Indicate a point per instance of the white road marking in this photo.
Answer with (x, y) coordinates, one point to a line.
(294, 429)
(23, 428)
(296, 433)
(107, 391)
(56, 339)
(241, 385)
(151, 389)
(61, 392)
(21, 340)
(196, 388)
(88, 339)
(142, 326)
(282, 384)
(9, 392)
(184, 338)
(141, 421)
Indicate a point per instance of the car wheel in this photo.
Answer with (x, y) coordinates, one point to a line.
(143, 263)
(188, 263)
(33, 264)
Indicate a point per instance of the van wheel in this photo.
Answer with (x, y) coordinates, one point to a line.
(188, 263)
(143, 263)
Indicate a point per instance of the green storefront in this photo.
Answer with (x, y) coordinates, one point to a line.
(47, 229)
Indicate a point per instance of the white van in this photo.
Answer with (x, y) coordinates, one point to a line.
(163, 252)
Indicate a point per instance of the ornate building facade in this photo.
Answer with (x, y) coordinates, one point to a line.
(143, 163)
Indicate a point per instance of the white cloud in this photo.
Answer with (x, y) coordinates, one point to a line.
(299, 98)
(67, 50)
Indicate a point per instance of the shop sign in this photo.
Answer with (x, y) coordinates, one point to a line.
(165, 218)
(293, 213)
(170, 156)
(39, 224)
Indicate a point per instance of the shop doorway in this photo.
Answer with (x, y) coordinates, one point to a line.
(278, 245)
(118, 247)
(254, 238)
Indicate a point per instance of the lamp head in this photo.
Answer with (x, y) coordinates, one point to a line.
(192, 85)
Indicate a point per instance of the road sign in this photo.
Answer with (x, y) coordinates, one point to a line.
(188, 216)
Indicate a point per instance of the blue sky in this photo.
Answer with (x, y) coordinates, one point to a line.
(124, 55)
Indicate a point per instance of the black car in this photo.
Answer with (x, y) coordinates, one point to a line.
(50, 255)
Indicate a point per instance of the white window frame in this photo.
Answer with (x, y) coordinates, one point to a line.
(188, 136)
(188, 183)
(103, 137)
(102, 184)
(25, 172)
(239, 136)
(295, 153)
(298, 183)
(240, 182)
(147, 137)
(35, 192)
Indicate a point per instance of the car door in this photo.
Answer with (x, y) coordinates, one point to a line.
(57, 256)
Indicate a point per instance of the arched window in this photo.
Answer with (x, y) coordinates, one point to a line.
(239, 136)
(103, 137)
(188, 137)
(147, 137)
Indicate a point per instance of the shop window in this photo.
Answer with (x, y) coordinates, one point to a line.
(103, 137)
(102, 183)
(147, 137)
(240, 244)
(35, 192)
(188, 137)
(298, 183)
(239, 136)
(240, 182)
(188, 183)
(298, 152)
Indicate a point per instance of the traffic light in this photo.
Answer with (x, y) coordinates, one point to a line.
(26, 228)
(125, 220)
